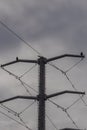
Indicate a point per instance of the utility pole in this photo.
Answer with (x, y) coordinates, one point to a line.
(42, 96)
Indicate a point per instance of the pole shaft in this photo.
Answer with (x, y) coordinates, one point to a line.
(41, 99)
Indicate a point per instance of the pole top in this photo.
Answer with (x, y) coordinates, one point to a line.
(42, 59)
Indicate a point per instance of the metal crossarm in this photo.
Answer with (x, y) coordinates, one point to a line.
(26, 61)
(19, 97)
(64, 92)
(19, 60)
(66, 55)
(9, 63)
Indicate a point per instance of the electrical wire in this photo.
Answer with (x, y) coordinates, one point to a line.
(9, 110)
(74, 103)
(14, 120)
(65, 74)
(24, 123)
(71, 119)
(29, 86)
(51, 64)
(64, 110)
(52, 122)
(54, 66)
(25, 88)
(28, 71)
(70, 81)
(15, 34)
(17, 114)
(26, 108)
(75, 89)
(74, 65)
(57, 105)
(22, 82)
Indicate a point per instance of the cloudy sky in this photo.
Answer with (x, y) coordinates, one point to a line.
(52, 28)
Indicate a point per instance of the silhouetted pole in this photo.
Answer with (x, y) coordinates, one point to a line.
(41, 96)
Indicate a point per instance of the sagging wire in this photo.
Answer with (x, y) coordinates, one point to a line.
(16, 77)
(74, 65)
(65, 74)
(9, 110)
(71, 119)
(52, 122)
(75, 89)
(74, 103)
(24, 123)
(56, 104)
(51, 64)
(28, 71)
(26, 108)
(64, 110)
(14, 120)
(29, 86)
(25, 88)
(16, 114)
(15, 34)
(22, 82)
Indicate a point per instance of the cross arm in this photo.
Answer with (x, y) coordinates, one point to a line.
(64, 92)
(66, 55)
(19, 60)
(19, 97)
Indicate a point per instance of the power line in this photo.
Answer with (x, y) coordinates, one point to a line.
(74, 103)
(73, 66)
(9, 110)
(24, 123)
(75, 89)
(51, 122)
(16, 114)
(15, 34)
(14, 120)
(26, 108)
(28, 71)
(65, 74)
(71, 119)
(64, 110)
(18, 78)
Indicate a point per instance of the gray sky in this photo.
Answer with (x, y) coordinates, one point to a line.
(52, 27)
